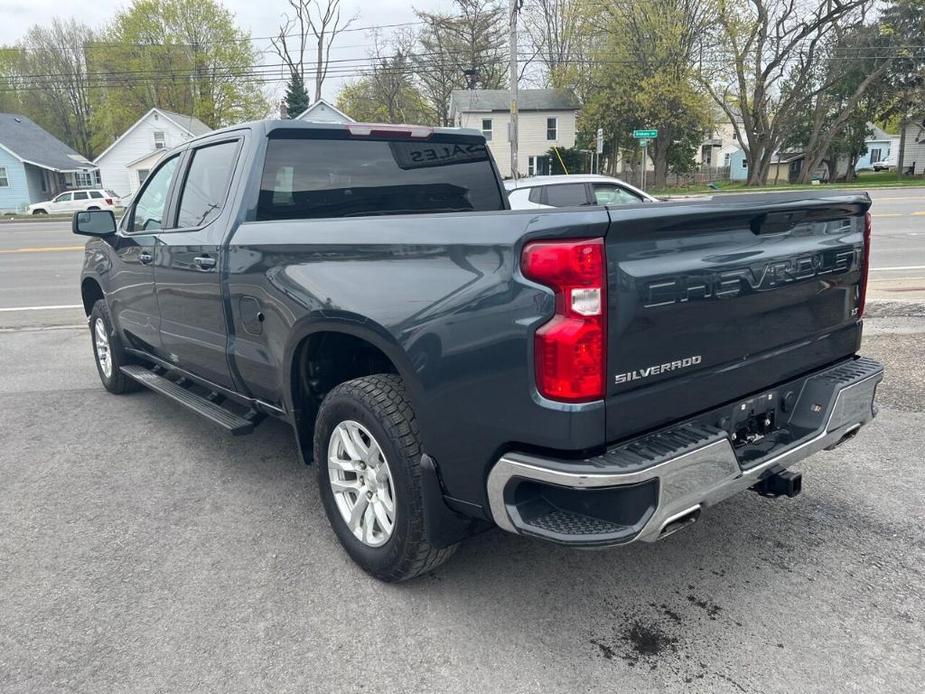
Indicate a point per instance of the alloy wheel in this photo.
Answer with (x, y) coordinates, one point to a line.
(103, 355)
(362, 483)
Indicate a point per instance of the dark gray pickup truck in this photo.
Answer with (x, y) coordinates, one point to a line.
(590, 376)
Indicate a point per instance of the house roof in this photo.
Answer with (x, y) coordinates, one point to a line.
(500, 100)
(327, 103)
(191, 125)
(32, 145)
(879, 134)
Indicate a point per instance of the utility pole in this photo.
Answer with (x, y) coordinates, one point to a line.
(512, 131)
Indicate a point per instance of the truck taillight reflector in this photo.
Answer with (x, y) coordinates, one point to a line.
(865, 269)
(569, 348)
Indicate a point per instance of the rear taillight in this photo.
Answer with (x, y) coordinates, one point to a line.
(570, 347)
(108, 201)
(865, 267)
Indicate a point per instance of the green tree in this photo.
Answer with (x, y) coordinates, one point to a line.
(389, 94)
(465, 49)
(182, 55)
(9, 81)
(762, 65)
(296, 96)
(566, 160)
(56, 81)
(642, 77)
(904, 22)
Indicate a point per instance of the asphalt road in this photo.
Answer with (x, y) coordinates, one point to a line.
(40, 261)
(142, 550)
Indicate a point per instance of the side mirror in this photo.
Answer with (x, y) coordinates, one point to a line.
(94, 223)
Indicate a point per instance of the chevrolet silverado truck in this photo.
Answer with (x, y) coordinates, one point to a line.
(591, 376)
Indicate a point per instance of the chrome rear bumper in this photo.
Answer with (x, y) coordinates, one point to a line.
(703, 471)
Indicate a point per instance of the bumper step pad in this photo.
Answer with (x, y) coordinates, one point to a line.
(650, 486)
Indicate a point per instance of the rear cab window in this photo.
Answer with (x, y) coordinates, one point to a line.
(329, 173)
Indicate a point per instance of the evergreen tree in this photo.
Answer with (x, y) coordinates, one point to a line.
(296, 96)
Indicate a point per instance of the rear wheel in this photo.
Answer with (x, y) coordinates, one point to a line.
(367, 451)
(108, 351)
(39, 211)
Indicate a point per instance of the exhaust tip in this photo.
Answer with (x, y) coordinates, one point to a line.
(679, 522)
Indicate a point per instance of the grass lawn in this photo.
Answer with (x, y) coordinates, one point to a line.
(865, 179)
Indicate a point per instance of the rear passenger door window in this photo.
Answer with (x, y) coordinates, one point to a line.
(567, 195)
(206, 185)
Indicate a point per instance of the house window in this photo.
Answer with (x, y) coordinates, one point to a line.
(4, 179)
(875, 155)
(486, 128)
(84, 179)
(552, 129)
(744, 163)
(142, 175)
(160, 139)
(726, 159)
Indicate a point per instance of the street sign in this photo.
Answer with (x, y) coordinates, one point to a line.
(600, 141)
(643, 143)
(645, 134)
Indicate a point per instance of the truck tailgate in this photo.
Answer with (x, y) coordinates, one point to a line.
(709, 301)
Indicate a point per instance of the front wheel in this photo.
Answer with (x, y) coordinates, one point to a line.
(108, 351)
(367, 452)
(40, 211)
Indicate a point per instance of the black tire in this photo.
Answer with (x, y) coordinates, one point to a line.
(381, 405)
(39, 211)
(116, 381)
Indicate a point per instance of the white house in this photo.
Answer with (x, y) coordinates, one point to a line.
(717, 149)
(324, 112)
(123, 165)
(914, 146)
(546, 118)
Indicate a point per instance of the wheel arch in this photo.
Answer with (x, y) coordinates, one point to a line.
(90, 292)
(344, 348)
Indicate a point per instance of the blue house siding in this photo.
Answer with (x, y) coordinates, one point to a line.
(15, 196)
(738, 167)
(865, 161)
(34, 179)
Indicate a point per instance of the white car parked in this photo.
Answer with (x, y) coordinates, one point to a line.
(77, 201)
(888, 164)
(572, 191)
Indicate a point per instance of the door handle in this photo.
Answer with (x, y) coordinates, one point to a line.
(204, 262)
(144, 257)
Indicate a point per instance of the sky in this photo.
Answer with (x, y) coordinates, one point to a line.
(261, 17)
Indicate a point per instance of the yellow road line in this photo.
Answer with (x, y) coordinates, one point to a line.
(887, 214)
(47, 249)
(918, 214)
